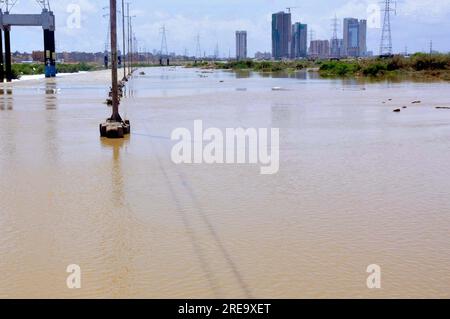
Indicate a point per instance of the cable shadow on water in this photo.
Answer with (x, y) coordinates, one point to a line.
(210, 227)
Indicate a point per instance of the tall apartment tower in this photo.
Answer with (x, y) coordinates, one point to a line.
(319, 49)
(241, 45)
(355, 37)
(362, 38)
(299, 43)
(281, 35)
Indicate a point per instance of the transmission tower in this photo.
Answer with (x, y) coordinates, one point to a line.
(9, 4)
(45, 4)
(335, 26)
(164, 50)
(312, 34)
(216, 51)
(198, 51)
(335, 48)
(386, 34)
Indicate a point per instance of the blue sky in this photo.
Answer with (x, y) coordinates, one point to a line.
(416, 23)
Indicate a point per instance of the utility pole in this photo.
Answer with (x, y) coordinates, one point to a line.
(124, 47)
(114, 127)
(115, 89)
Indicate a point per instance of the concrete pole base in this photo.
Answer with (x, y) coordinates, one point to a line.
(113, 129)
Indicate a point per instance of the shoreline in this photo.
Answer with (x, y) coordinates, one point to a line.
(420, 67)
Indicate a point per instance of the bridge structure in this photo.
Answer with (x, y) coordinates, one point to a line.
(46, 20)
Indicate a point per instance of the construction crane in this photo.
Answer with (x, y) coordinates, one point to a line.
(289, 9)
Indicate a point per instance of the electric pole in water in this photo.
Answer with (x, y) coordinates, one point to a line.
(115, 89)
(124, 47)
(114, 127)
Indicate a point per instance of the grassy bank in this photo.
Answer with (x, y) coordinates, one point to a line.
(419, 66)
(20, 69)
(258, 66)
(422, 66)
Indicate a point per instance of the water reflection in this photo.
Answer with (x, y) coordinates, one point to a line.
(116, 170)
(117, 224)
(7, 100)
(51, 91)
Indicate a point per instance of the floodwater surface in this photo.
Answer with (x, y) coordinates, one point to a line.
(358, 185)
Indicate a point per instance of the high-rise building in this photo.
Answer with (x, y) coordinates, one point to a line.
(319, 49)
(299, 43)
(241, 45)
(362, 38)
(281, 35)
(355, 37)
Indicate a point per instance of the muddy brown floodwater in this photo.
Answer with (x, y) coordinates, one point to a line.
(358, 185)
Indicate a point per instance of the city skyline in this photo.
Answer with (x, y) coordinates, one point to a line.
(413, 27)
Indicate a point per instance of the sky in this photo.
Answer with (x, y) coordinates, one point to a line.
(416, 23)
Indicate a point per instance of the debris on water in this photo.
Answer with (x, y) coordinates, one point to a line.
(416, 102)
(277, 88)
(397, 111)
(142, 73)
(389, 99)
(443, 107)
(404, 107)
(221, 81)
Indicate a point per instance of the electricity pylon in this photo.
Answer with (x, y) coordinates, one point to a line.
(386, 34)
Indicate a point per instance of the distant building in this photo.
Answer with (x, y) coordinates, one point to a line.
(281, 35)
(319, 49)
(299, 43)
(362, 38)
(38, 56)
(241, 45)
(336, 48)
(355, 37)
(263, 55)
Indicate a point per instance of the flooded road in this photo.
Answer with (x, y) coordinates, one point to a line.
(358, 185)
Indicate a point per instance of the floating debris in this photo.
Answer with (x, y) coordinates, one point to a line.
(443, 107)
(277, 88)
(416, 102)
(397, 111)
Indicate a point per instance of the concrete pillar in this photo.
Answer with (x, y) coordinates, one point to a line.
(8, 62)
(47, 53)
(52, 46)
(2, 66)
